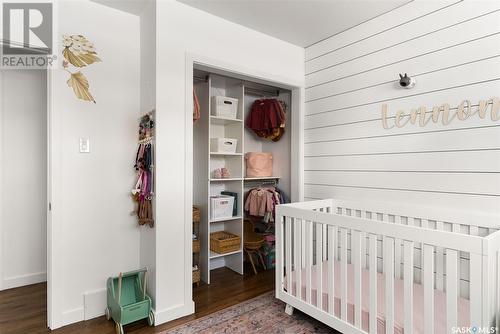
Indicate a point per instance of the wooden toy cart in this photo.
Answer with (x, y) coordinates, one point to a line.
(127, 299)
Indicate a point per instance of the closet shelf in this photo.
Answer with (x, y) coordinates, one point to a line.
(225, 153)
(224, 120)
(218, 220)
(214, 255)
(262, 178)
(226, 179)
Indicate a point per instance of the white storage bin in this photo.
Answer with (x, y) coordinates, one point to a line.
(223, 145)
(221, 206)
(224, 107)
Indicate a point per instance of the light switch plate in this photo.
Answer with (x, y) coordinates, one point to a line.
(84, 145)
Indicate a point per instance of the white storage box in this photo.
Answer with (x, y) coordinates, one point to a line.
(224, 107)
(221, 206)
(223, 145)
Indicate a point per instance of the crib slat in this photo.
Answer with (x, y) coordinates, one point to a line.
(363, 250)
(324, 226)
(389, 284)
(408, 287)
(319, 266)
(309, 259)
(343, 274)
(475, 288)
(288, 253)
(373, 284)
(428, 260)
(325, 245)
(397, 251)
(356, 255)
(303, 244)
(451, 289)
(279, 253)
(336, 237)
(297, 265)
(439, 261)
(331, 270)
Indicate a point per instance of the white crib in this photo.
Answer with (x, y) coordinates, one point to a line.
(379, 268)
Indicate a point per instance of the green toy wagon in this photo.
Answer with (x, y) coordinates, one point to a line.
(127, 299)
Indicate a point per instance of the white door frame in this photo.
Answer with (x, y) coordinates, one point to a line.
(297, 139)
(1, 179)
(54, 196)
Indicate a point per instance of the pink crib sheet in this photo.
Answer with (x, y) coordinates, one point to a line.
(418, 301)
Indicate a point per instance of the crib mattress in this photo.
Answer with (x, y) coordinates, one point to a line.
(418, 301)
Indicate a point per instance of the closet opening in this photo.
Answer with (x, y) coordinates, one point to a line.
(242, 138)
(24, 188)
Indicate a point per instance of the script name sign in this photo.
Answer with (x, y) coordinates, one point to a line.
(443, 114)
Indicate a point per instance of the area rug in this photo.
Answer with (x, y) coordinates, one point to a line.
(264, 314)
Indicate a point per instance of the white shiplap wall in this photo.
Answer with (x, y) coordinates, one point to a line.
(452, 48)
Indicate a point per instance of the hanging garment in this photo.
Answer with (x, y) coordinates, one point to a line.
(143, 189)
(196, 107)
(145, 212)
(267, 119)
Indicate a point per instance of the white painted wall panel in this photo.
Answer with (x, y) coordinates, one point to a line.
(469, 73)
(453, 49)
(421, 47)
(439, 21)
(372, 112)
(419, 66)
(391, 20)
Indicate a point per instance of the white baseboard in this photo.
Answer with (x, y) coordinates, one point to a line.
(95, 303)
(71, 316)
(173, 313)
(22, 280)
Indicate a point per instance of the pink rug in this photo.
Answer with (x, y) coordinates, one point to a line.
(263, 314)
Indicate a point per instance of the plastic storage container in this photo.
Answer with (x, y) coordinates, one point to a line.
(223, 145)
(221, 207)
(226, 107)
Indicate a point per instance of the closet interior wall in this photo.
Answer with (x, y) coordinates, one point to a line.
(207, 85)
(23, 177)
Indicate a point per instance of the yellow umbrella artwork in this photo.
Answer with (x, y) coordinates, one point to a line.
(79, 52)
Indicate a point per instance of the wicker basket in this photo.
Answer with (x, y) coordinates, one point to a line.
(196, 214)
(196, 246)
(224, 242)
(196, 276)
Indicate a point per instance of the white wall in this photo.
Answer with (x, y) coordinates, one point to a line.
(148, 102)
(182, 30)
(23, 179)
(94, 234)
(453, 50)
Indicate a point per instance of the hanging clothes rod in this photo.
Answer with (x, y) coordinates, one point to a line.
(200, 79)
(262, 92)
(262, 182)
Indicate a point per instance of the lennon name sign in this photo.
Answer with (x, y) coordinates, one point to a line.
(443, 113)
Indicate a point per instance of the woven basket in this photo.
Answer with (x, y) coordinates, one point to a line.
(196, 246)
(224, 242)
(196, 276)
(196, 214)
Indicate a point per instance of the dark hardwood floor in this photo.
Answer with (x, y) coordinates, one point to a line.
(23, 310)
